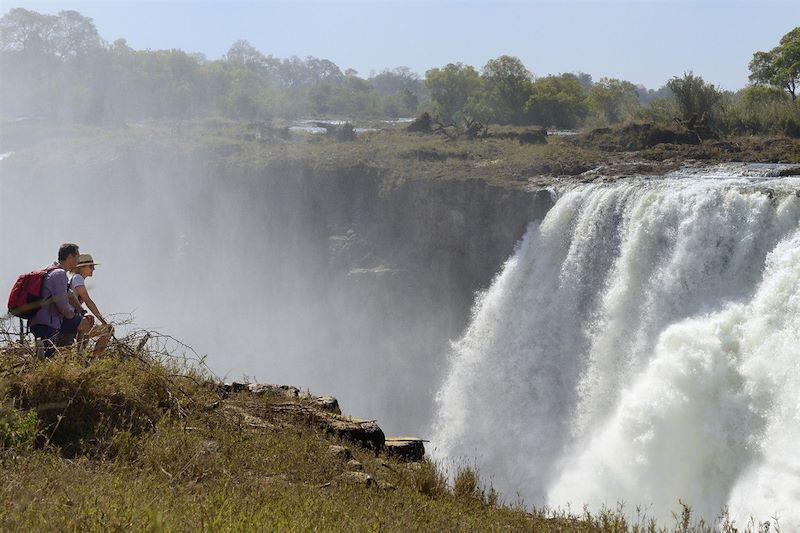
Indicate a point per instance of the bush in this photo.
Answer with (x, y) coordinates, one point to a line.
(17, 429)
(466, 484)
(760, 111)
(82, 408)
(428, 480)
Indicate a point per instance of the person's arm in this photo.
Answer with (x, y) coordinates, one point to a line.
(58, 279)
(84, 294)
(73, 300)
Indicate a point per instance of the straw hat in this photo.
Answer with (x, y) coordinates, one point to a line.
(86, 260)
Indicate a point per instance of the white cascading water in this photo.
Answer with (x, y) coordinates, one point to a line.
(642, 345)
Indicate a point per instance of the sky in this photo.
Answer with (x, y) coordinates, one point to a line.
(646, 42)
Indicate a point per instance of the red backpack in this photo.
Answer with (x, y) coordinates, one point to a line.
(26, 294)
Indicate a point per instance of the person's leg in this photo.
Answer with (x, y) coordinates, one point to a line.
(104, 333)
(101, 344)
(69, 328)
(48, 336)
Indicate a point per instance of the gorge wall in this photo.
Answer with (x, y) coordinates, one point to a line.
(328, 278)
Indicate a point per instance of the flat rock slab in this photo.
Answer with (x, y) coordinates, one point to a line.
(365, 433)
(405, 448)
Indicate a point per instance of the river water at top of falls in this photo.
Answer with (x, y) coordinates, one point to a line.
(642, 345)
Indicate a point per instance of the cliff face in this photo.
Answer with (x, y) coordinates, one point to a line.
(403, 264)
(330, 279)
(452, 235)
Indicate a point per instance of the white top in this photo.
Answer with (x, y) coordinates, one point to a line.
(76, 281)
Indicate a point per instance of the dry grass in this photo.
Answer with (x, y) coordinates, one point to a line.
(142, 440)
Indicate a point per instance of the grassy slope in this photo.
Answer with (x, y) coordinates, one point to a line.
(137, 441)
(128, 442)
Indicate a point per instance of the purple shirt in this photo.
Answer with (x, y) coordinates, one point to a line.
(54, 285)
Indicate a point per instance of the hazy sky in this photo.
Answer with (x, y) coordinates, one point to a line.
(642, 41)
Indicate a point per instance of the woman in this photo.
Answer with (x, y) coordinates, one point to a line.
(85, 269)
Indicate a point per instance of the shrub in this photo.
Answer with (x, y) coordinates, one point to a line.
(17, 429)
(428, 480)
(82, 407)
(466, 485)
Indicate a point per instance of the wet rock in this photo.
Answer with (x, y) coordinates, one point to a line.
(328, 404)
(405, 448)
(340, 452)
(791, 171)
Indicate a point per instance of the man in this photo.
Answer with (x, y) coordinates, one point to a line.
(57, 322)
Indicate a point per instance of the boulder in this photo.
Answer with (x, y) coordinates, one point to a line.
(405, 448)
(340, 452)
(328, 404)
(365, 433)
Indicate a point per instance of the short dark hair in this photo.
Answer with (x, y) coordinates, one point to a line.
(67, 249)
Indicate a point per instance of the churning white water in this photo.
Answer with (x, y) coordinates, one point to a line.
(642, 345)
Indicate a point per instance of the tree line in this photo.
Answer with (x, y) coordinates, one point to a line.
(58, 67)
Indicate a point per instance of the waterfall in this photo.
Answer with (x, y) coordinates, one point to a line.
(642, 345)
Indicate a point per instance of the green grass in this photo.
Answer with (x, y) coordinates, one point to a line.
(140, 440)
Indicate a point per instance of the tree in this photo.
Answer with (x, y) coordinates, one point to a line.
(694, 96)
(68, 34)
(244, 54)
(396, 80)
(780, 67)
(26, 31)
(75, 35)
(613, 99)
(558, 101)
(508, 85)
(452, 87)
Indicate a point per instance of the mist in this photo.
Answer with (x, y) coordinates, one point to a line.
(240, 267)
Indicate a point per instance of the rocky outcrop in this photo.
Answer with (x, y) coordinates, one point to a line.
(322, 412)
(405, 448)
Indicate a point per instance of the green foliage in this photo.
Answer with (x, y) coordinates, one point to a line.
(759, 110)
(661, 109)
(779, 67)
(454, 90)
(508, 86)
(613, 100)
(694, 96)
(558, 101)
(18, 430)
(81, 408)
